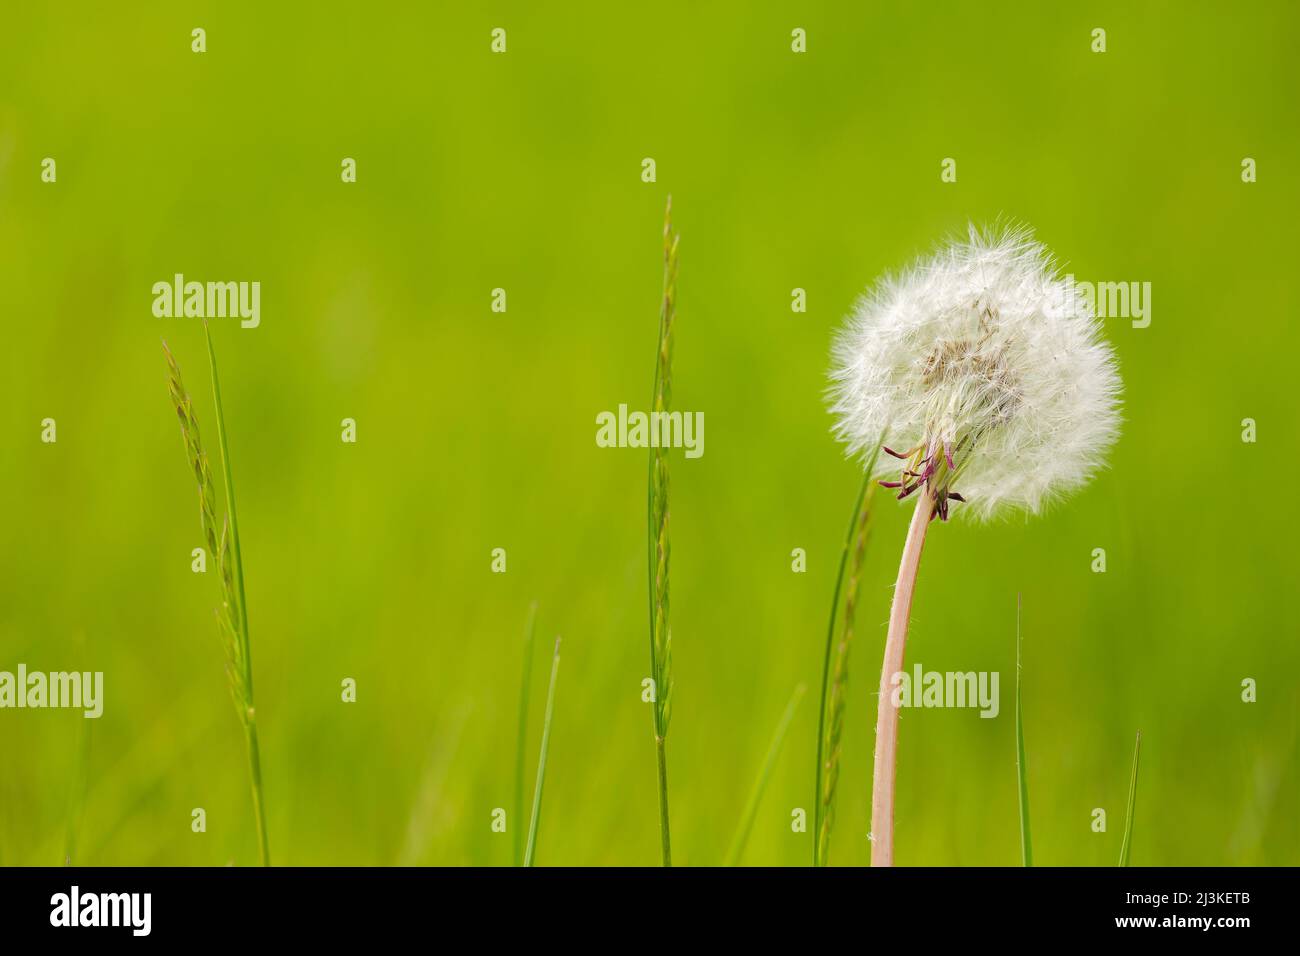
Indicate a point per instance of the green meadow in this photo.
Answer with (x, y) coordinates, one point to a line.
(476, 429)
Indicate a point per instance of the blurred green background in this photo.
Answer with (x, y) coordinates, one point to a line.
(476, 429)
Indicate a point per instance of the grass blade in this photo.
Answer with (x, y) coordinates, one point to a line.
(232, 616)
(658, 541)
(530, 851)
(835, 669)
(1126, 848)
(244, 644)
(424, 823)
(77, 796)
(522, 736)
(1022, 771)
(760, 784)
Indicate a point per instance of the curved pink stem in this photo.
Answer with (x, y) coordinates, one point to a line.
(882, 790)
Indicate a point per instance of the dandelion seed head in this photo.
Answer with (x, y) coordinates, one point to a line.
(985, 372)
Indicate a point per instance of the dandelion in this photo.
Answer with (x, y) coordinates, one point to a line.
(988, 378)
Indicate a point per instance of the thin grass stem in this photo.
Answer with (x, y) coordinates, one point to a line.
(1126, 848)
(658, 549)
(245, 648)
(830, 714)
(77, 798)
(750, 812)
(531, 850)
(1022, 771)
(521, 737)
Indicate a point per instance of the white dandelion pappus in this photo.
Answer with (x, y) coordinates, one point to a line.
(985, 370)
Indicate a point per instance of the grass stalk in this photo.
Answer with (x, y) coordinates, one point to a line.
(835, 670)
(1022, 772)
(657, 537)
(246, 655)
(521, 737)
(531, 850)
(748, 815)
(1126, 848)
(661, 769)
(232, 616)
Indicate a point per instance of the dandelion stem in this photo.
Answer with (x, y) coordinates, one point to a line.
(886, 762)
